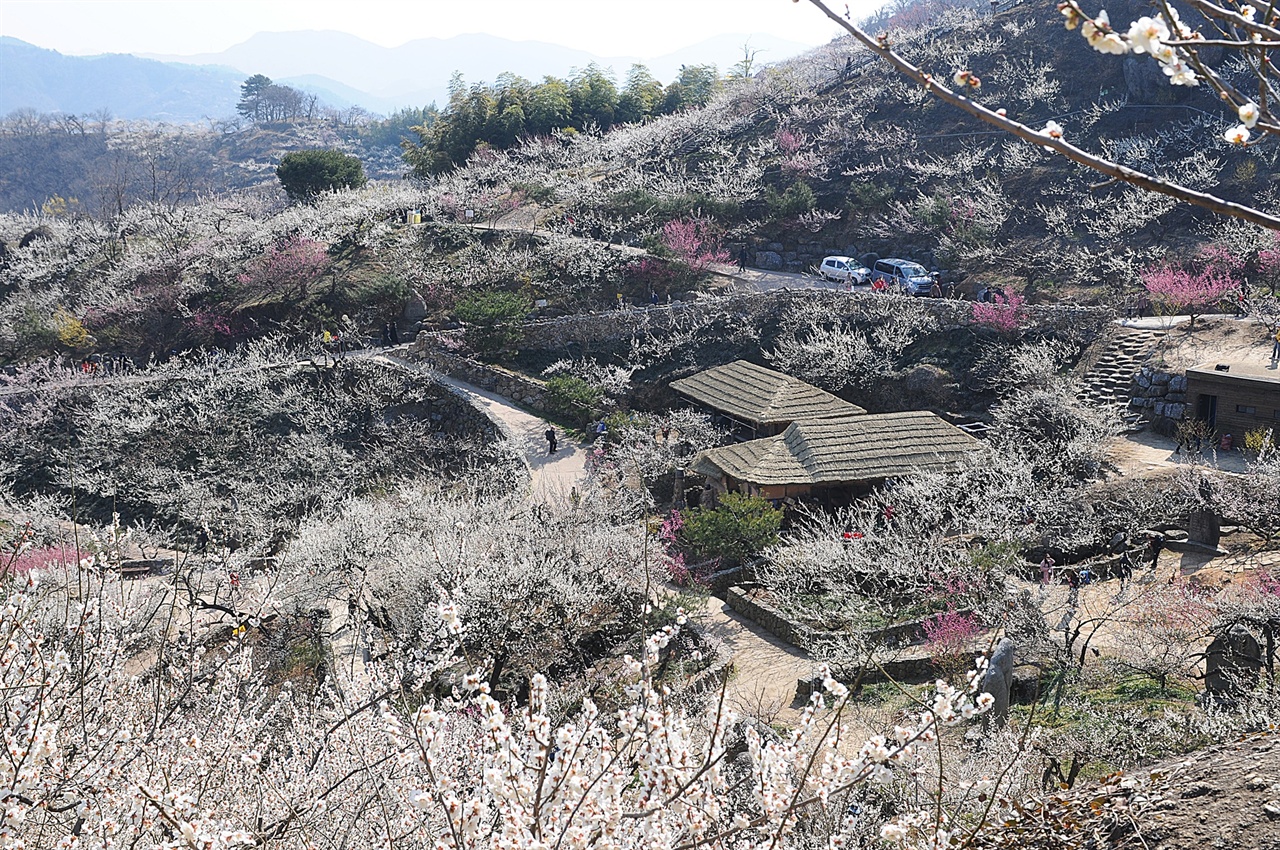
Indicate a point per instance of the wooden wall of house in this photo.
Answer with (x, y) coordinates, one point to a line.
(1243, 404)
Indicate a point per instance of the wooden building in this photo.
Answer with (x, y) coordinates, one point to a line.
(753, 401)
(835, 459)
(1234, 398)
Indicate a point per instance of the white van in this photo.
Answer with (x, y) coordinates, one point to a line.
(843, 270)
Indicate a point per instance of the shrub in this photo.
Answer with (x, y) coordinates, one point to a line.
(796, 201)
(571, 397)
(491, 318)
(305, 174)
(1004, 314)
(739, 527)
(948, 637)
(71, 331)
(1259, 440)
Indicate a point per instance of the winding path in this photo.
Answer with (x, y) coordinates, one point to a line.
(552, 477)
(765, 668)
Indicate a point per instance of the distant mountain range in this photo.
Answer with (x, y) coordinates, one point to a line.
(340, 69)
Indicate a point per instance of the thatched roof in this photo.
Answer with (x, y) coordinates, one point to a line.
(842, 451)
(762, 396)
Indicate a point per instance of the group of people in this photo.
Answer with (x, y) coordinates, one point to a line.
(390, 335)
(340, 341)
(105, 366)
(1119, 545)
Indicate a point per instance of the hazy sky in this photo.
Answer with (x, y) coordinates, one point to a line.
(642, 28)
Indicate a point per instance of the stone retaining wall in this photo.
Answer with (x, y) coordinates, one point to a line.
(777, 623)
(1160, 396)
(773, 620)
(521, 389)
(606, 328)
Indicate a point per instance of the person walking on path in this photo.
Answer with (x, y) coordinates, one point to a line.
(1046, 569)
(1155, 542)
(551, 440)
(743, 257)
(1275, 346)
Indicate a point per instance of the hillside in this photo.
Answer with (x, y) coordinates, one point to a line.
(830, 152)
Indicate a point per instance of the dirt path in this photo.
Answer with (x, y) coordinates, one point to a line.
(766, 669)
(1147, 454)
(552, 476)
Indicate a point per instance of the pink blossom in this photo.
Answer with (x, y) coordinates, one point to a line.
(1179, 289)
(1004, 314)
(692, 240)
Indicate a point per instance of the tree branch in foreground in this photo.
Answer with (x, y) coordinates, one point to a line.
(1051, 136)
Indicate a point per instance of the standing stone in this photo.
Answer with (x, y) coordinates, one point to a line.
(1232, 663)
(1204, 527)
(999, 681)
(415, 308)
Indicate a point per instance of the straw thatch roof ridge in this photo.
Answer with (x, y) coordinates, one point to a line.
(842, 451)
(760, 395)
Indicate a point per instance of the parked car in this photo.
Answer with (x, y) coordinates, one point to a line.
(843, 270)
(908, 277)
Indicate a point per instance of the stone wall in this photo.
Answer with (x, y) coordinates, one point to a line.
(773, 620)
(590, 330)
(1160, 396)
(448, 412)
(798, 256)
(749, 605)
(521, 389)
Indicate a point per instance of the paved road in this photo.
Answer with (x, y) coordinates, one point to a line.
(749, 280)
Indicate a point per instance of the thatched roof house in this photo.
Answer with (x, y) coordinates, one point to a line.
(847, 454)
(760, 401)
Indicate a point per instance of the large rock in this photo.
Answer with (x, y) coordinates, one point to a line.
(415, 308)
(1232, 663)
(769, 260)
(1204, 527)
(1178, 384)
(999, 682)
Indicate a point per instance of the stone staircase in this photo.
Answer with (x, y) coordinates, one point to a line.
(1109, 381)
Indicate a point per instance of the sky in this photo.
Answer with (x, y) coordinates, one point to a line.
(643, 28)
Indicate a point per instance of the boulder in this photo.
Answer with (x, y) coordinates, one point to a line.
(1232, 663)
(1178, 384)
(415, 308)
(769, 260)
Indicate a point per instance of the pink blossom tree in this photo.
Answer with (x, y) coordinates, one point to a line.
(1190, 291)
(1005, 314)
(694, 242)
(295, 264)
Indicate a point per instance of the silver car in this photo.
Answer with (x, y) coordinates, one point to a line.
(843, 270)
